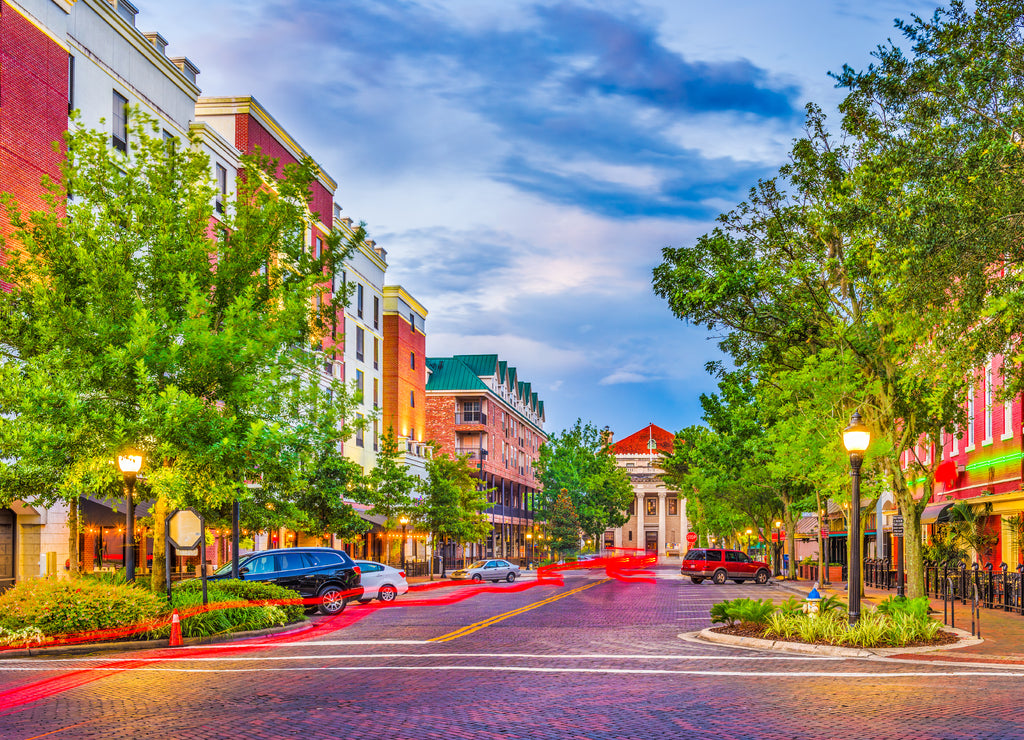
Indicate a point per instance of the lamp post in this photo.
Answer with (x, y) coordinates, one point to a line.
(778, 548)
(404, 521)
(130, 463)
(529, 548)
(856, 438)
(749, 532)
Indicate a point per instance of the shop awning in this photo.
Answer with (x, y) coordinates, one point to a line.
(936, 513)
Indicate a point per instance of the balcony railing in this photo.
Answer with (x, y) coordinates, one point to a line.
(471, 417)
(475, 453)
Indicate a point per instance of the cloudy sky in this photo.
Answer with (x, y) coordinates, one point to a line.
(524, 162)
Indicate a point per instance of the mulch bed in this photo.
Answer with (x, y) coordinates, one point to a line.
(757, 631)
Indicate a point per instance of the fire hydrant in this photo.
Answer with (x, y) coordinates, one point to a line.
(810, 606)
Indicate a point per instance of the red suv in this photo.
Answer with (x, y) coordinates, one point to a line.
(721, 565)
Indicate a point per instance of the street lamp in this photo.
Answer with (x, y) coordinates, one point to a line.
(749, 532)
(856, 438)
(778, 548)
(529, 548)
(404, 521)
(130, 463)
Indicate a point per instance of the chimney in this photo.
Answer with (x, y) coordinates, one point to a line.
(125, 9)
(187, 68)
(158, 41)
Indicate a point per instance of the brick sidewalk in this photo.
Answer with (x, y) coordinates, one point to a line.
(1002, 632)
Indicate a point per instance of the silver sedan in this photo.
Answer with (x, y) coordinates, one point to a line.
(488, 570)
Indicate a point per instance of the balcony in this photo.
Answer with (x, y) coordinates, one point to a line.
(471, 417)
(474, 453)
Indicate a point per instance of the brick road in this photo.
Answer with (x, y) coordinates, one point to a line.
(603, 662)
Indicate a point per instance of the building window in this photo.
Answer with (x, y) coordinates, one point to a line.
(376, 312)
(412, 360)
(1007, 419)
(222, 187)
(412, 399)
(970, 418)
(71, 83)
(376, 353)
(360, 381)
(988, 404)
(376, 445)
(359, 431)
(360, 341)
(673, 507)
(318, 247)
(375, 382)
(412, 320)
(119, 123)
(359, 300)
(651, 507)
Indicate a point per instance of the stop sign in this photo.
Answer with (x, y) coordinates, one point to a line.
(691, 537)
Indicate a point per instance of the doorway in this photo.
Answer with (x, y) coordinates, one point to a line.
(651, 541)
(6, 549)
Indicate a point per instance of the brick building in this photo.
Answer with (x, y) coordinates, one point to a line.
(477, 406)
(405, 375)
(657, 517)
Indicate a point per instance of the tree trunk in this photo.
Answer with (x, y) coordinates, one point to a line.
(158, 574)
(790, 521)
(73, 555)
(821, 542)
(913, 550)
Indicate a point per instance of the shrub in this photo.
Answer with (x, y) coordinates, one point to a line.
(918, 608)
(831, 603)
(24, 637)
(213, 620)
(750, 611)
(72, 605)
(792, 606)
(256, 591)
(721, 612)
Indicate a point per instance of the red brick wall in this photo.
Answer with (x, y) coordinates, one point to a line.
(33, 109)
(250, 134)
(400, 378)
(441, 422)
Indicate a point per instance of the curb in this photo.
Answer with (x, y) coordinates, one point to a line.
(755, 643)
(113, 647)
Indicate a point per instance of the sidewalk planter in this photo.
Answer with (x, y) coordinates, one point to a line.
(835, 573)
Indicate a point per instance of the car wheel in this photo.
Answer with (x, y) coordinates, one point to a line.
(738, 580)
(387, 593)
(720, 577)
(477, 577)
(511, 577)
(332, 601)
(697, 579)
(761, 578)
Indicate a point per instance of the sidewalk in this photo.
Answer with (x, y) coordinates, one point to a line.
(1002, 632)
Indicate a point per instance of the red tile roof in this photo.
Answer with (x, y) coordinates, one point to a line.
(638, 442)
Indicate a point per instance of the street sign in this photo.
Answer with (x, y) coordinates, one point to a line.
(897, 525)
(691, 538)
(185, 529)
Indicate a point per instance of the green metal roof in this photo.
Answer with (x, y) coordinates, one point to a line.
(452, 374)
(482, 365)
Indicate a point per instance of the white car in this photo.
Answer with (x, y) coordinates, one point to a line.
(380, 581)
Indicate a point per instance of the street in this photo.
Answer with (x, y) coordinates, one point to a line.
(591, 658)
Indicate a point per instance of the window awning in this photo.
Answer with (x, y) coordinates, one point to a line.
(936, 513)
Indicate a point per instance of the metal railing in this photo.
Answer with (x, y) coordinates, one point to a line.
(980, 586)
(471, 417)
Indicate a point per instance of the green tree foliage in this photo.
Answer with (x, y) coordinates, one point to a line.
(134, 323)
(564, 524)
(390, 485)
(579, 460)
(452, 506)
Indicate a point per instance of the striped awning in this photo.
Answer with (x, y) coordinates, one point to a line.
(936, 513)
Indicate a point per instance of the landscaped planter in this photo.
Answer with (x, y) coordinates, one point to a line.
(835, 573)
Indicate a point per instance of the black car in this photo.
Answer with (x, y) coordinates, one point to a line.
(329, 576)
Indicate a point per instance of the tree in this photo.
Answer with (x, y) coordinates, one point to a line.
(452, 505)
(579, 460)
(134, 322)
(390, 486)
(564, 524)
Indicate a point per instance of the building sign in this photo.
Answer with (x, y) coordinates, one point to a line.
(185, 529)
(897, 525)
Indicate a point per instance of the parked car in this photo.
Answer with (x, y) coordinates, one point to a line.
(721, 565)
(588, 556)
(380, 581)
(329, 576)
(488, 570)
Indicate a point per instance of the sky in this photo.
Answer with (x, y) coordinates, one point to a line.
(524, 162)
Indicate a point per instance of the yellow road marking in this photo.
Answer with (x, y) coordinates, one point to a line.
(471, 628)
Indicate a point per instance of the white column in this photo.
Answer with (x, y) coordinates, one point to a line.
(662, 508)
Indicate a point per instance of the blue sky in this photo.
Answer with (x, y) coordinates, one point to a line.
(524, 163)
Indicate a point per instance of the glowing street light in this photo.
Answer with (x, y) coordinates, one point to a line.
(856, 439)
(130, 463)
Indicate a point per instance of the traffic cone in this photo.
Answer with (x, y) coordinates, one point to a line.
(175, 629)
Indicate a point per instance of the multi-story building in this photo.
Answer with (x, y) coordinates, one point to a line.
(477, 406)
(364, 344)
(979, 465)
(657, 516)
(59, 56)
(405, 375)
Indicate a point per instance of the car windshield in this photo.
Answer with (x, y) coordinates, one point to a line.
(478, 564)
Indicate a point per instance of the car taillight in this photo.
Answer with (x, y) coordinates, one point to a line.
(356, 568)
(401, 573)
